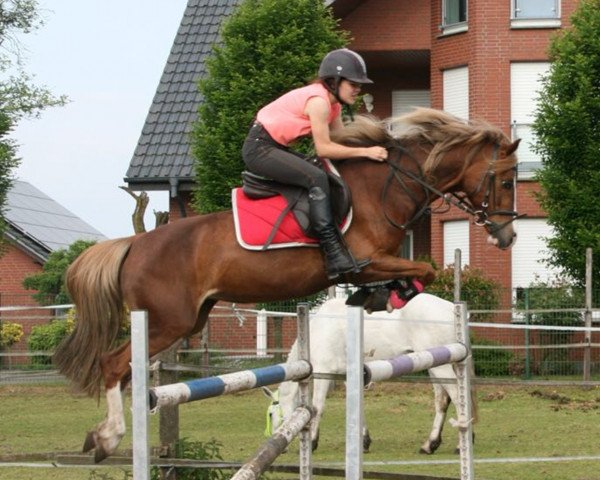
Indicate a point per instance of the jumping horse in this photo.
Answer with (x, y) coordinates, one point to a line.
(179, 271)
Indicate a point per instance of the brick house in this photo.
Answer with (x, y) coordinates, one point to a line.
(36, 227)
(474, 59)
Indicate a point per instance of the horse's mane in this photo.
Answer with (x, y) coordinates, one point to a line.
(439, 131)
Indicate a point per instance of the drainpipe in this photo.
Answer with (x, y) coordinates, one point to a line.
(174, 183)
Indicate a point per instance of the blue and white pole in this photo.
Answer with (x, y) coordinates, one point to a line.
(378, 370)
(202, 388)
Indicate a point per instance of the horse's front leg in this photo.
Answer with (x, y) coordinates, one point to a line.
(107, 434)
(389, 267)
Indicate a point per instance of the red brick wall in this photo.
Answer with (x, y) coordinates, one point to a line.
(175, 209)
(389, 25)
(15, 265)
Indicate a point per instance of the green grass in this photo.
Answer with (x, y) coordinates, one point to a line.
(513, 422)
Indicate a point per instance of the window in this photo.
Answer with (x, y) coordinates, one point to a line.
(525, 82)
(407, 246)
(535, 14)
(529, 252)
(535, 8)
(456, 235)
(454, 16)
(456, 91)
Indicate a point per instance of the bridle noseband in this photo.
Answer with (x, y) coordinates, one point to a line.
(481, 215)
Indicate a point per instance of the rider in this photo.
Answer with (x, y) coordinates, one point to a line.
(314, 109)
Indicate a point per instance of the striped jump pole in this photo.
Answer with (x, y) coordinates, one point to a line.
(379, 370)
(202, 388)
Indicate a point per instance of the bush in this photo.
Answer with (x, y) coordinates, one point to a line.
(197, 451)
(480, 292)
(491, 362)
(10, 333)
(45, 338)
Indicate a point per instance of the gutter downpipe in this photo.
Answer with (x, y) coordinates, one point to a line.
(174, 192)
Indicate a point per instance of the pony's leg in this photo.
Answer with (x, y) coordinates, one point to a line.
(366, 439)
(116, 371)
(442, 402)
(106, 436)
(320, 390)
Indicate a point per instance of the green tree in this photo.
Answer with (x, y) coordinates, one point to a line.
(567, 127)
(268, 47)
(50, 282)
(19, 97)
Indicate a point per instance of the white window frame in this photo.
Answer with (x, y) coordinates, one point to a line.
(448, 28)
(551, 20)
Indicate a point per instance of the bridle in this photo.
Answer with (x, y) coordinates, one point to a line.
(481, 215)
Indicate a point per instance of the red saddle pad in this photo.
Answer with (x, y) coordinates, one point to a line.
(254, 221)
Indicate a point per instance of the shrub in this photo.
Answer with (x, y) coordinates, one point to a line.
(480, 292)
(491, 362)
(10, 333)
(45, 338)
(197, 451)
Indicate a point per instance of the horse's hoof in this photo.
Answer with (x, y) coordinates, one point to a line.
(424, 452)
(457, 451)
(90, 442)
(100, 454)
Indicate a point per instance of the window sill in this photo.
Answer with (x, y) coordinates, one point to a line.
(453, 29)
(521, 23)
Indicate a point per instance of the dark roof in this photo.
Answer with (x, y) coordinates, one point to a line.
(39, 225)
(163, 151)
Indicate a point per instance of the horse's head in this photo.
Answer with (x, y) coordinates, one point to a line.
(471, 157)
(274, 417)
(281, 406)
(490, 184)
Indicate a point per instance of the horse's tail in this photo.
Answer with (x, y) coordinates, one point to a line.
(92, 281)
(474, 407)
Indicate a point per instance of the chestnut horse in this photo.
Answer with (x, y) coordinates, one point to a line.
(179, 271)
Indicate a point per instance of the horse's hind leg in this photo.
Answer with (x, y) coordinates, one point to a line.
(116, 371)
(442, 402)
(107, 434)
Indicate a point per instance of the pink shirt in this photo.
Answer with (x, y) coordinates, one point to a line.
(284, 118)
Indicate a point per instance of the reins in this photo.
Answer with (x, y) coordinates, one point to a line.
(481, 216)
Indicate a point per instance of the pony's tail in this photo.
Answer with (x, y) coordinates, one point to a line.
(474, 406)
(92, 281)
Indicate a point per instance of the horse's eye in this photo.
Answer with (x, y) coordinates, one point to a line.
(507, 184)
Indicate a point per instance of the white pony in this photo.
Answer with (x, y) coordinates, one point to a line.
(386, 335)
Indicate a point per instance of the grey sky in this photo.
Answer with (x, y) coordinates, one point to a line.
(107, 57)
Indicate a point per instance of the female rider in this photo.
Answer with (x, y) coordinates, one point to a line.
(314, 109)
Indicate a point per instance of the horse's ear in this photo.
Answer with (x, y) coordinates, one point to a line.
(268, 393)
(512, 147)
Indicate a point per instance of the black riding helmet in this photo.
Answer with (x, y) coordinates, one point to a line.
(342, 64)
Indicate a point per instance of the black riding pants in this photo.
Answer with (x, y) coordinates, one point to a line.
(264, 156)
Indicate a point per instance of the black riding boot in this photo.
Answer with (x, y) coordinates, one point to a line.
(338, 260)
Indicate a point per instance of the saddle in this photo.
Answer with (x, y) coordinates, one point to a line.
(259, 187)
